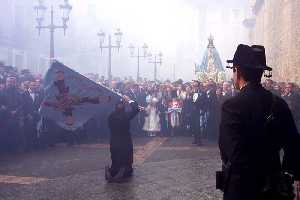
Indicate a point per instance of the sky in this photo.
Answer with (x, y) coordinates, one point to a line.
(177, 28)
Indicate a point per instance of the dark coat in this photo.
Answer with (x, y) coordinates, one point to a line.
(13, 99)
(3, 113)
(119, 124)
(3, 123)
(187, 110)
(200, 104)
(253, 152)
(37, 101)
(141, 98)
(199, 108)
(121, 146)
(212, 108)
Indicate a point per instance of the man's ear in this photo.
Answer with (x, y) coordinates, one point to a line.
(238, 73)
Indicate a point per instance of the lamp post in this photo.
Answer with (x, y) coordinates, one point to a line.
(138, 56)
(40, 12)
(155, 59)
(174, 72)
(109, 46)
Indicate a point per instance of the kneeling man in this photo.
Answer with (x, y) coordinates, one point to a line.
(121, 147)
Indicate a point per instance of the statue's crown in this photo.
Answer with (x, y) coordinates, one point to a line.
(211, 41)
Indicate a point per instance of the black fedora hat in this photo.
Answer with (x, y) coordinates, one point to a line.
(252, 57)
(260, 57)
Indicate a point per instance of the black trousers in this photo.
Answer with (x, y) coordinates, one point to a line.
(244, 187)
(195, 128)
(14, 139)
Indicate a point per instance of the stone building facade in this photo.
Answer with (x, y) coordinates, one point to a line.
(277, 26)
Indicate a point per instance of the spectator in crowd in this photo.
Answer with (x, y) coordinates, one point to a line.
(152, 124)
(195, 108)
(16, 111)
(198, 119)
(292, 97)
(212, 105)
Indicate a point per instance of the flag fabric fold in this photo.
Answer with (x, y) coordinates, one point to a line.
(71, 99)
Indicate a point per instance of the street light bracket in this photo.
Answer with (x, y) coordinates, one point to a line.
(40, 10)
(66, 9)
(118, 36)
(131, 50)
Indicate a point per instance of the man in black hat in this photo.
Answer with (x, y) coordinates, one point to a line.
(121, 147)
(255, 126)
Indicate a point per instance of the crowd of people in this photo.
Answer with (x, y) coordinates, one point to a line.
(171, 108)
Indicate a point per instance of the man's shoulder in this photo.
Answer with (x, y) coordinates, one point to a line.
(245, 99)
(237, 100)
(12, 91)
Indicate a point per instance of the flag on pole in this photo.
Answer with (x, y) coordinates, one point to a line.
(71, 99)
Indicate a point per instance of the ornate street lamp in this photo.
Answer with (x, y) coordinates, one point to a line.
(118, 36)
(155, 59)
(138, 56)
(40, 13)
(41, 9)
(66, 9)
(109, 46)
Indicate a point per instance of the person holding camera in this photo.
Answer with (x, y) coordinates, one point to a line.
(255, 127)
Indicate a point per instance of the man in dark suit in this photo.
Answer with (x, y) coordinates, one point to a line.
(3, 116)
(13, 104)
(255, 126)
(226, 92)
(199, 103)
(34, 97)
(187, 109)
(212, 112)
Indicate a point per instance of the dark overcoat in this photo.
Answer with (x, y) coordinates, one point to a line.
(255, 154)
(121, 146)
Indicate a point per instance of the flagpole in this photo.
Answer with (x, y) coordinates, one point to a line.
(109, 59)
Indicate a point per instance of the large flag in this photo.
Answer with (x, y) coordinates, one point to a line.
(71, 99)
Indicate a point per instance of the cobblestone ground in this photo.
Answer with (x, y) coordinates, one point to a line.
(166, 168)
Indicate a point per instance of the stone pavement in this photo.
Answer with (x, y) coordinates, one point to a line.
(165, 169)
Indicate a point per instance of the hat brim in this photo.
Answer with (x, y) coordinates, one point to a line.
(264, 68)
(230, 67)
(267, 68)
(258, 67)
